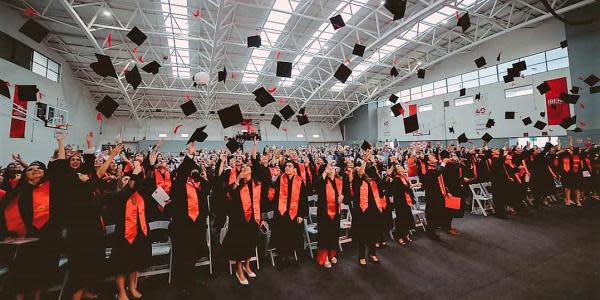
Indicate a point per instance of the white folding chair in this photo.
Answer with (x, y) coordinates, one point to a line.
(312, 200)
(205, 261)
(345, 225)
(312, 214)
(420, 202)
(159, 249)
(487, 189)
(310, 229)
(481, 201)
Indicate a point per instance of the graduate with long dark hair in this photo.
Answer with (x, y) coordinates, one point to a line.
(329, 189)
(400, 189)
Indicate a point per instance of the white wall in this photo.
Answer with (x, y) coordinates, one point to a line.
(69, 94)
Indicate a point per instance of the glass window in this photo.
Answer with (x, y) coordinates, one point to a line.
(502, 67)
(471, 83)
(405, 96)
(463, 101)
(415, 93)
(427, 87)
(518, 91)
(558, 63)
(425, 107)
(427, 93)
(44, 66)
(439, 87)
(488, 80)
(556, 53)
(470, 76)
(488, 72)
(454, 83)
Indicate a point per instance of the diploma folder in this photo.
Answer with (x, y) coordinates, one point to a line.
(160, 196)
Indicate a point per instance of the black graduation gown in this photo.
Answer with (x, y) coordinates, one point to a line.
(287, 233)
(454, 183)
(263, 175)
(366, 225)
(404, 217)
(328, 229)
(153, 213)
(501, 185)
(435, 209)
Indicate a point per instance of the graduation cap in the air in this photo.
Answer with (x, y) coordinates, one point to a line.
(359, 50)
(577, 129)
(232, 145)
(342, 73)
(540, 125)
(284, 69)
(564, 44)
(498, 57)
(393, 98)
(487, 137)
(520, 66)
(152, 67)
(490, 123)
(4, 89)
(337, 22)
(302, 119)
(451, 129)
(568, 122)
(508, 78)
(568, 98)
(513, 72)
(411, 124)
(263, 97)
(464, 22)
(462, 92)
(302, 110)
(103, 66)
(397, 109)
(137, 36)
(592, 80)
(230, 116)
(287, 112)
(574, 90)
(595, 89)
(222, 75)
(133, 77)
(107, 106)
(478, 96)
(198, 136)
(543, 88)
(421, 73)
(394, 72)
(188, 108)
(527, 121)
(365, 145)
(276, 121)
(509, 115)
(480, 62)
(28, 92)
(34, 30)
(396, 7)
(543, 114)
(254, 41)
(462, 138)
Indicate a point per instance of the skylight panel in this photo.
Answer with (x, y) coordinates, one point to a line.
(338, 87)
(179, 48)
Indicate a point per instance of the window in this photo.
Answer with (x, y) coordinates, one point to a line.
(439, 87)
(415, 93)
(488, 75)
(502, 67)
(470, 80)
(535, 64)
(427, 90)
(558, 63)
(519, 91)
(463, 101)
(454, 83)
(404, 96)
(300, 135)
(45, 67)
(425, 107)
(162, 135)
(556, 54)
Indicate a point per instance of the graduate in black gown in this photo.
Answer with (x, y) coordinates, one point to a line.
(453, 179)
(400, 188)
(501, 183)
(329, 188)
(433, 184)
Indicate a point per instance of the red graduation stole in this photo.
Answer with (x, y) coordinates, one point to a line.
(14, 221)
(271, 190)
(134, 209)
(576, 163)
(566, 164)
(192, 200)
(350, 176)
(302, 169)
(423, 167)
(251, 206)
(41, 205)
(406, 194)
(330, 196)
(450, 201)
(283, 193)
(412, 167)
(232, 175)
(164, 182)
(13, 182)
(364, 196)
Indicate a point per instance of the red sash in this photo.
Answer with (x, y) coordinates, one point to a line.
(423, 168)
(302, 169)
(330, 196)
(412, 167)
(283, 195)
(164, 182)
(192, 200)
(41, 205)
(14, 221)
(232, 175)
(350, 176)
(406, 194)
(134, 209)
(449, 200)
(251, 207)
(364, 196)
(576, 163)
(566, 164)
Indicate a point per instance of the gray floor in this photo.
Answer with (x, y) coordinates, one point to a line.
(550, 254)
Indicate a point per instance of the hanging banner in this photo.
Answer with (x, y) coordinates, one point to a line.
(19, 118)
(557, 110)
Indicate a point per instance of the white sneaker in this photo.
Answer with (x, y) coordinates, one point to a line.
(242, 282)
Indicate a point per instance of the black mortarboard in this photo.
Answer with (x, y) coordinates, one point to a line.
(397, 109)
(198, 136)
(302, 110)
(487, 137)
(28, 92)
(103, 66)
(230, 116)
(133, 77)
(337, 22)
(152, 67)
(464, 22)
(462, 92)
(284, 69)
(276, 121)
(254, 41)
(540, 125)
(520, 66)
(222, 75)
(595, 89)
(498, 57)
(302, 120)
(365, 145)
(107, 106)
(490, 123)
(480, 62)
(396, 7)
(513, 72)
(543, 114)
(137, 36)
(577, 129)
(527, 121)
(34, 30)
(394, 72)
(4, 89)
(591, 80)
(263, 97)
(393, 98)
(451, 129)
(543, 88)
(509, 115)
(564, 44)
(568, 98)
(575, 90)
(188, 108)
(359, 50)
(287, 112)
(411, 124)
(462, 138)
(232, 145)
(508, 78)
(342, 73)
(421, 73)
(568, 122)
(478, 96)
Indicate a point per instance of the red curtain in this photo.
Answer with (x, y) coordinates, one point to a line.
(18, 119)
(557, 110)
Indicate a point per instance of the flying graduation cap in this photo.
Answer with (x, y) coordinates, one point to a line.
(232, 145)
(103, 66)
(365, 145)
(337, 22)
(462, 138)
(480, 62)
(464, 22)
(543, 88)
(397, 109)
(462, 92)
(568, 98)
(564, 44)
(287, 112)
(487, 137)
(4, 89)
(594, 89)
(568, 122)
(520, 66)
(263, 97)
(254, 41)
(396, 7)
(276, 121)
(107, 106)
(490, 123)
(421, 73)
(284, 69)
(198, 136)
(393, 98)
(509, 115)
(302, 119)
(222, 75)
(592, 80)
(394, 72)
(188, 108)
(152, 67)
(133, 77)
(359, 50)
(540, 125)
(451, 129)
(230, 116)
(574, 90)
(411, 124)
(34, 30)
(527, 121)
(302, 110)
(137, 36)
(342, 73)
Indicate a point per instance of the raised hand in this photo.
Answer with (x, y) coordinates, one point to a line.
(89, 139)
(60, 137)
(116, 150)
(152, 157)
(17, 157)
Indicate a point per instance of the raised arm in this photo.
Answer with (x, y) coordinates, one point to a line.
(113, 153)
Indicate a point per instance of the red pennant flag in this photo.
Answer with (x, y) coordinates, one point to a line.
(581, 105)
(141, 59)
(134, 51)
(165, 57)
(30, 12)
(394, 61)
(197, 13)
(108, 40)
(284, 129)
(582, 123)
(177, 128)
(347, 61)
(99, 117)
(233, 76)
(278, 54)
(281, 101)
(188, 98)
(272, 89)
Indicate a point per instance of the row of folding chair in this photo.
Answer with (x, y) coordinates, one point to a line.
(483, 201)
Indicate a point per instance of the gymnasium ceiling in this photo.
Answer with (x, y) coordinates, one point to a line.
(190, 36)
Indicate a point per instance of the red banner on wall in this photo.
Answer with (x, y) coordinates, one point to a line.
(19, 118)
(557, 110)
